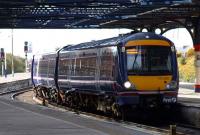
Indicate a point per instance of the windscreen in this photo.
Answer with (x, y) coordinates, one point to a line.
(149, 60)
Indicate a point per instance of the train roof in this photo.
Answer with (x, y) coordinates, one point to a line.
(45, 55)
(115, 41)
(93, 44)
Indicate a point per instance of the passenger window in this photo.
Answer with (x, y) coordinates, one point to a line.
(64, 69)
(43, 65)
(107, 64)
(85, 64)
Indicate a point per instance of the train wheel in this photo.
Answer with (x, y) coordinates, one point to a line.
(53, 95)
(39, 91)
(116, 112)
(58, 98)
(35, 92)
(124, 111)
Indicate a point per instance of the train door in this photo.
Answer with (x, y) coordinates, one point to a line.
(107, 68)
(68, 69)
(48, 77)
(97, 72)
(51, 70)
(34, 73)
(64, 71)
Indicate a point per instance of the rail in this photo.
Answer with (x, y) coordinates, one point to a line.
(14, 86)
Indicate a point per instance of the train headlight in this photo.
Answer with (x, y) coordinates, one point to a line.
(171, 85)
(129, 85)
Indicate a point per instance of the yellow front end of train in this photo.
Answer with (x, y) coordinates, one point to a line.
(152, 70)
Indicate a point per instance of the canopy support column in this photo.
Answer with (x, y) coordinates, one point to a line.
(197, 53)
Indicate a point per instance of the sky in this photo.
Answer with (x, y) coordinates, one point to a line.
(47, 40)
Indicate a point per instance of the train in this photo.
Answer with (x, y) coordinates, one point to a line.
(135, 70)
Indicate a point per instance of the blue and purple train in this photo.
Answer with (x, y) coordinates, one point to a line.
(131, 70)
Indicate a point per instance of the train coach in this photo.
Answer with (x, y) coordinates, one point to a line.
(110, 75)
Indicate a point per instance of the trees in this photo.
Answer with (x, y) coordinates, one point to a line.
(186, 66)
(19, 64)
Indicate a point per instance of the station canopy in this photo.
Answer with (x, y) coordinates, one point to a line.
(75, 14)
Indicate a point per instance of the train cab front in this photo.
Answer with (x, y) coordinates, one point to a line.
(151, 69)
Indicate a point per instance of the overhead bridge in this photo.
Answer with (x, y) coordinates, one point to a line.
(98, 13)
(82, 14)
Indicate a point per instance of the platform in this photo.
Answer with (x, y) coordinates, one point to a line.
(189, 99)
(19, 118)
(187, 95)
(17, 76)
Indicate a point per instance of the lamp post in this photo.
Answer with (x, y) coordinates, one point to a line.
(2, 56)
(12, 55)
(5, 65)
(26, 51)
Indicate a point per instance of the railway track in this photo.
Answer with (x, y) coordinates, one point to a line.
(15, 91)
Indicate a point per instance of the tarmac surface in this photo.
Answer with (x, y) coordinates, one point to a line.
(187, 95)
(18, 118)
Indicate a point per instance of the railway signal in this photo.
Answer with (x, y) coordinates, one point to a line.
(2, 56)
